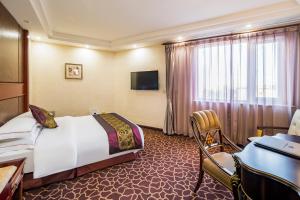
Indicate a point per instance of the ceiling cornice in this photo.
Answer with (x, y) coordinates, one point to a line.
(80, 39)
(39, 10)
(276, 14)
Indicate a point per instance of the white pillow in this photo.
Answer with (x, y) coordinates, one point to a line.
(26, 114)
(7, 136)
(18, 125)
(19, 141)
(27, 140)
(15, 148)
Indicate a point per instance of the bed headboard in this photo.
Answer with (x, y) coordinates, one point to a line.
(13, 67)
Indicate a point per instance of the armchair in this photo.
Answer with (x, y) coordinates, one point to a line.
(207, 132)
(294, 128)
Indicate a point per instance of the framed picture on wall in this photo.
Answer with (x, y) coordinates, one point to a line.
(73, 71)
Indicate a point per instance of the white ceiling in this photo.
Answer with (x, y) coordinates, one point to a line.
(118, 24)
(115, 19)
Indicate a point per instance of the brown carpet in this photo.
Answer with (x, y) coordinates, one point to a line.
(166, 169)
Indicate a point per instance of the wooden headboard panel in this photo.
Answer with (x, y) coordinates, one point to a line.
(13, 67)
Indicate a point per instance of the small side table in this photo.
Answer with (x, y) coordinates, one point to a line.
(14, 187)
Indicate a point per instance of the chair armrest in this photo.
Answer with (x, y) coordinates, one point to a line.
(260, 129)
(234, 146)
(272, 127)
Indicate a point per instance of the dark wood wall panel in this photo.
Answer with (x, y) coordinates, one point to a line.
(10, 33)
(10, 90)
(21, 101)
(13, 67)
(25, 63)
(21, 51)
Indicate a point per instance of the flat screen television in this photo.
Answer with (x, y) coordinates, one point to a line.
(145, 80)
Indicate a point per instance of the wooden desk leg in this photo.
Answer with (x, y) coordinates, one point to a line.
(235, 179)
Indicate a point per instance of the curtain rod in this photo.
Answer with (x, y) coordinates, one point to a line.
(231, 34)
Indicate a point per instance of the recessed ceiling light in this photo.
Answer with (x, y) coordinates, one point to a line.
(179, 38)
(134, 46)
(87, 46)
(248, 26)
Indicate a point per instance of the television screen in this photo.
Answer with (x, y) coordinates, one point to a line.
(146, 80)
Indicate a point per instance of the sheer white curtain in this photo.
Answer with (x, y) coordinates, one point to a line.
(248, 79)
(246, 70)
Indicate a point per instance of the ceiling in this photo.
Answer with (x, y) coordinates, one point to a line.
(122, 24)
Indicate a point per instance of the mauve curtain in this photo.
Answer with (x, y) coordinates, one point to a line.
(248, 79)
(179, 90)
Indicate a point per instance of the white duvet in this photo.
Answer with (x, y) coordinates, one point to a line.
(77, 141)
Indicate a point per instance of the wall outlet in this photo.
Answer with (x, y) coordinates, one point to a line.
(94, 111)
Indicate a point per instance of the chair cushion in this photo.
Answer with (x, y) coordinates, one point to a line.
(226, 161)
(5, 175)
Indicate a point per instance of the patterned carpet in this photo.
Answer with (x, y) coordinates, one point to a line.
(166, 169)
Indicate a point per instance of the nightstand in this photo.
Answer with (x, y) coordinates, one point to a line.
(14, 188)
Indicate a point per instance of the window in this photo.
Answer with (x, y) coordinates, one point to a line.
(267, 70)
(213, 75)
(242, 70)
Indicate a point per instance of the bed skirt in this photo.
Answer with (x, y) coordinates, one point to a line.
(30, 183)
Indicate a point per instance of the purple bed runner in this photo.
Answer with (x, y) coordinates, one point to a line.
(122, 134)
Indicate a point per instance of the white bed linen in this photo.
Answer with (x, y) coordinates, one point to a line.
(77, 141)
(55, 149)
(92, 141)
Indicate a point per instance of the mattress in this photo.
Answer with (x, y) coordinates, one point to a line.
(12, 155)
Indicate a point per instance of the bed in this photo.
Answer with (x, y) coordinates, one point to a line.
(77, 146)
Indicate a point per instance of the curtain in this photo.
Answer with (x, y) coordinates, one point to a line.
(250, 80)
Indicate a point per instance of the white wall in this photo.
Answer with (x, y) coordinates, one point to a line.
(50, 89)
(143, 107)
(105, 84)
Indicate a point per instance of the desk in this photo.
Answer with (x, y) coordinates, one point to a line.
(263, 174)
